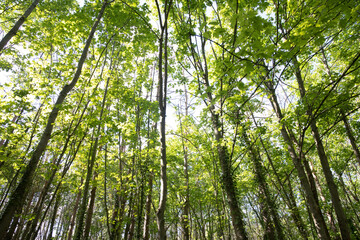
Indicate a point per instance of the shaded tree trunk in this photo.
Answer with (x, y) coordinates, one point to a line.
(90, 166)
(17, 25)
(315, 210)
(163, 69)
(73, 215)
(146, 233)
(335, 198)
(53, 218)
(90, 211)
(18, 197)
(351, 137)
(266, 203)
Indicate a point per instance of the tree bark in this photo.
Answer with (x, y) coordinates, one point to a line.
(53, 218)
(228, 182)
(335, 198)
(351, 137)
(90, 211)
(315, 210)
(90, 166)
(18, 197)
(163, 55)
(288, 197)
(73, 215)
(264, 193)
(146, 233)
(17, 25)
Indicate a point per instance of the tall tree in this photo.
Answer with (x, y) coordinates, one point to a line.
(18, 197)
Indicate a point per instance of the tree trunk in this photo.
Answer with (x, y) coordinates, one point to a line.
(351, 137)
(288, 195)
(186, 208)
(146, 233)
(18, 197)
(53, 218)
(315, 210)
(264, 193)
(163, 55)
(228, 182)
(90, 211)
(90, 166)
(335, 198)
(73, 215)
(17, 25)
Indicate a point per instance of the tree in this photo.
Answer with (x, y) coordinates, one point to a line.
(181, 119)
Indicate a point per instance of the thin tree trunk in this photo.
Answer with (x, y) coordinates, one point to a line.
(228, 182)
(73, 215)
(18, 197)
(351, 137)
(335, 198)
(53, 218)
(288, 195)
(186, 208)
(80, 221)
(17, 25)
(163, 69)
(146, 233)
(264, 193)
(315, 210)
(90, 211)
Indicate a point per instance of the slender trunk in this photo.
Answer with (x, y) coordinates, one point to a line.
(17, 25)
(150, 145)
(335, 198)
(163, 69)
(264, 193)
(132, 227)
(228, 182)
(186, 208)
(119, 213)
(328, 212)
(73, 215)
(146, 233)
(20, 224)
(120, 195)
(315, 210)
(90, 211)
(351, 137)
(18, 197)
(53, 218)
(105, 192)
(296, 213)
(288, 195)
(80, 221)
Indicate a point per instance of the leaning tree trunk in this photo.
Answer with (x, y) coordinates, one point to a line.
(17, 25)
(18, 197)
(315, 210)
(228, 181)
(335, 198)
(287, 196)
(351, 137)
